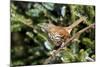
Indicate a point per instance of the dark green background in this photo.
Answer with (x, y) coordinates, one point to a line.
(27, 45)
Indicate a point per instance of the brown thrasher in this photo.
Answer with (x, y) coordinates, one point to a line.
(58, 34)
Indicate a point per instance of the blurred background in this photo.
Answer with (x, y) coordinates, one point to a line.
(30, 46)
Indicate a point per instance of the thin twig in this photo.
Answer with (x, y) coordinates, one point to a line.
(89, 59)
(66, 43)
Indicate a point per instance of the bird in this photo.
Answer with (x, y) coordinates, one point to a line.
(57, 35)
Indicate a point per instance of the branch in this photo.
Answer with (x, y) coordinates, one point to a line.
(66, 43)
(90, 59)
